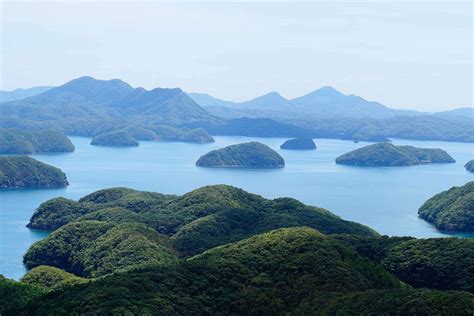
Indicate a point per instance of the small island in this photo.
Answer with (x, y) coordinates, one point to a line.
(451, 210)
(15, 142)
(469, 165)
(251, 155)
(299, 144)
(26, 172)
(389, 155)
(172, 134)
(119, 138)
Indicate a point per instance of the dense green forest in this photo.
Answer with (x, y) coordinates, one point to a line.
(387, 154)
(245, 155)
(26, 172)
(292, 270)
(32, 142)
(451, 210)
(299, 144)
(221, 250)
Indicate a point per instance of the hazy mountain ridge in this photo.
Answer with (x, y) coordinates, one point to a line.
(18, 94)
(325, 102)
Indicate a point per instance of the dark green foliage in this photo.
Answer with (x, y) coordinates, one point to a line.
(451, 210)
(50, 278)
(15, 296)
(469, 165)
(115, 139)
(26, 172)
(28, 142)
(386, 154)
(199, 220)
(441, 263)
(246, 155)
(438, 263)
(93, 248)
(266, 274)
(299, 144)
(398, 302)
(57, 212)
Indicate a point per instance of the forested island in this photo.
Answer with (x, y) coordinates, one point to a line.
(451, 210)
(15, 142)
(389, 155)
(122, 250)
(469, 165)
(26, 172)
(247, 155)
(299, 144)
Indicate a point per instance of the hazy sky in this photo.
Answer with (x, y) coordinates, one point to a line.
(400, 53)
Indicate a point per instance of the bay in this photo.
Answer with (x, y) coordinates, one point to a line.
(386, 199)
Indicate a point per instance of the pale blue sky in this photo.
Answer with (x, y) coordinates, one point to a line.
(403, 54)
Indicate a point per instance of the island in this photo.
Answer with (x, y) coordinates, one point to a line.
(119, 138)
(469, 165)
(299, 144)
(26, 172)
(253, 155)
(389, 155)
(451, 210)
(16, 142)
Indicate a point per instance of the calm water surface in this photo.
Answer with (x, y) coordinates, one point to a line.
(387, 199)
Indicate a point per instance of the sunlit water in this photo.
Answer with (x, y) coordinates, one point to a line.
(386, 199)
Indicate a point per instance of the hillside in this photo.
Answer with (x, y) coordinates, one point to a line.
(29, 142)
(293, 270)
(389, 155)
(26, 172)
(246, 155)
(451, 210)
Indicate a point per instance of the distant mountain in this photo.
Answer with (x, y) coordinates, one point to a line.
(18, 94)
(325, 102)
(272, 100)
(204, 100)
(457, 113)
(85, 104)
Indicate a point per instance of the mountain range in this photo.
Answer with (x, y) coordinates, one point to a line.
(85, 103)
(86, 106)
(325, 102)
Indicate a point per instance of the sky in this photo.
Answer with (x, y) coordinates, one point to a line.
(404, 54)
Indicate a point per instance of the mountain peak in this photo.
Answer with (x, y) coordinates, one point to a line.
(327, 90)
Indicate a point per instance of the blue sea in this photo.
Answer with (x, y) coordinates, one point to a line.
(386, 199)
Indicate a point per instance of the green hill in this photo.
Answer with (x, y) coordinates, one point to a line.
(389, 155)
(239, 278)
(51, 278)
(29, 142)
(246, 155)
(93, 248)
(26, 172)
(451, 210)
(197, 221)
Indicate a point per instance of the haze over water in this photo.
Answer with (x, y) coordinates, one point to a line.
(386, 199)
